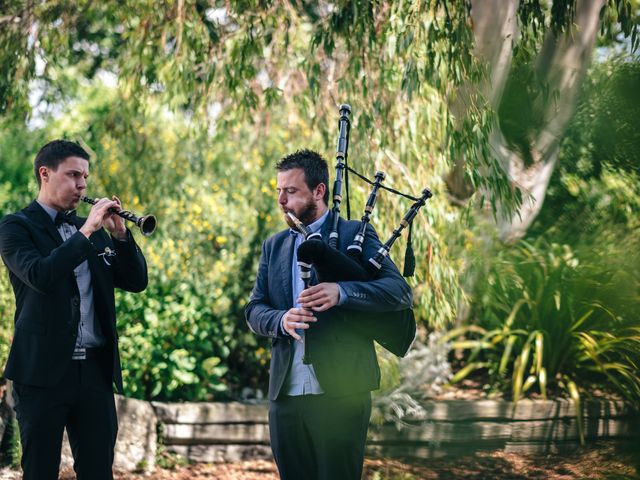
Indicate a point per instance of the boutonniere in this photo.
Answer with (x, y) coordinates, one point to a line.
(108, 252)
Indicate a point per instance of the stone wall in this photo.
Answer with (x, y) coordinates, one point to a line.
(528, 426)
(232, 431)
(210, 432)
(137, 440)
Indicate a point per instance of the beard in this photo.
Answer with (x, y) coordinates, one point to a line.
(306, 214)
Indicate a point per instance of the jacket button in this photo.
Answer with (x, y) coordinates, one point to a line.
(76, 302)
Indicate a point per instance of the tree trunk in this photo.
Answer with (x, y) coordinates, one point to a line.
(562, 64)
(495, 29)
(563, 61)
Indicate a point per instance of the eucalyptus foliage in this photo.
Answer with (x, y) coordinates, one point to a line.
(561, 308)
(185, 336)
(400, 65)
(213, 192)
(388, 58)
(205, 96)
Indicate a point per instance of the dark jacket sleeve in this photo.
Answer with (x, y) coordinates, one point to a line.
(262, 318)
(130, 267)
(32, 268)
(388, 291)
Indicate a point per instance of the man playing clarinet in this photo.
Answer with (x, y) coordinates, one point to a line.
(64, 356)
(323, 364)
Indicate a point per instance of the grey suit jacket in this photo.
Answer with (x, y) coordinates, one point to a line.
(341, 350)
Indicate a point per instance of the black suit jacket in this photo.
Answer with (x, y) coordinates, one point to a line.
(341, 350)
(41, 268)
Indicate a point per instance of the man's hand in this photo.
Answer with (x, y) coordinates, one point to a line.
(297, 318)
(115, 223)
(97, 216)
(320, 297)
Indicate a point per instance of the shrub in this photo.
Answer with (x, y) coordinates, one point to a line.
(556, 317)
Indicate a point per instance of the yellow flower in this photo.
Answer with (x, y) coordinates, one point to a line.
(114, 166)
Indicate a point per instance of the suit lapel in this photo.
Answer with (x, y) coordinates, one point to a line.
(78, 222)
(325, 230)
(94, 259)
(285, 266)
(36, 213)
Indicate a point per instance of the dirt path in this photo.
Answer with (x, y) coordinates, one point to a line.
(604, 461)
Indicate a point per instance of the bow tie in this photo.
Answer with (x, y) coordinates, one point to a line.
(68, 217)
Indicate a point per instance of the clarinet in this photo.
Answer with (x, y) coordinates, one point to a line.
(344, 126)
(375, 263)
(146, 224)
(355, 248)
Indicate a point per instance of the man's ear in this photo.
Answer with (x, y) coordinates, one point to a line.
(319, 190)
(44, 173)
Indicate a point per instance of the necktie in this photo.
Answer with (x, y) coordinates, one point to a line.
(62, 217)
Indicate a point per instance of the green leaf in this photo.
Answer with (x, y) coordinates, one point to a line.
(466, 370)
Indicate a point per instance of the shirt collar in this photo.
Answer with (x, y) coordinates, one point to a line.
(52, 212)
(314, 227)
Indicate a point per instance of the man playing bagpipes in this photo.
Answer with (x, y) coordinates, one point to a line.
(323, 364)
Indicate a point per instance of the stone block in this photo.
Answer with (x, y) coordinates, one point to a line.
(137, 437)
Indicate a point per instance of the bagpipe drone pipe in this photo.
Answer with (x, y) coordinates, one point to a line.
(393, 330)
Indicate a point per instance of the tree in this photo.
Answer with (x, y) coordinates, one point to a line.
(388, 58)
(428, 82)
(540, 99)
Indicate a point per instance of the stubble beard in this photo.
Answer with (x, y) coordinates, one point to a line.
(307, 214)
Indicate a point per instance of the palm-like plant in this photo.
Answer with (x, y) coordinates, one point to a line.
(550, 317)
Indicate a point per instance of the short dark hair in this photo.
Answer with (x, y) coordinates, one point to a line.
(315, 168)
(56, 152)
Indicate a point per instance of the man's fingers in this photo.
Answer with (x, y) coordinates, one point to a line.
(306, 298)
(310, 292)
(321, 297)
(300, 314)
(290, 327)
(294, 334)
(315, 302)
(320, 293)
(298, 318)
(110, 204)
(301, 319)
(322, 307)
(300, 325)
(103, 205)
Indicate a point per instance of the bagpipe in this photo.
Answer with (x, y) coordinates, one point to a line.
(393, 330)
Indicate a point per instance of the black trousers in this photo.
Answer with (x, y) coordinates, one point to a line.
(315, 437)
(84, 404)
